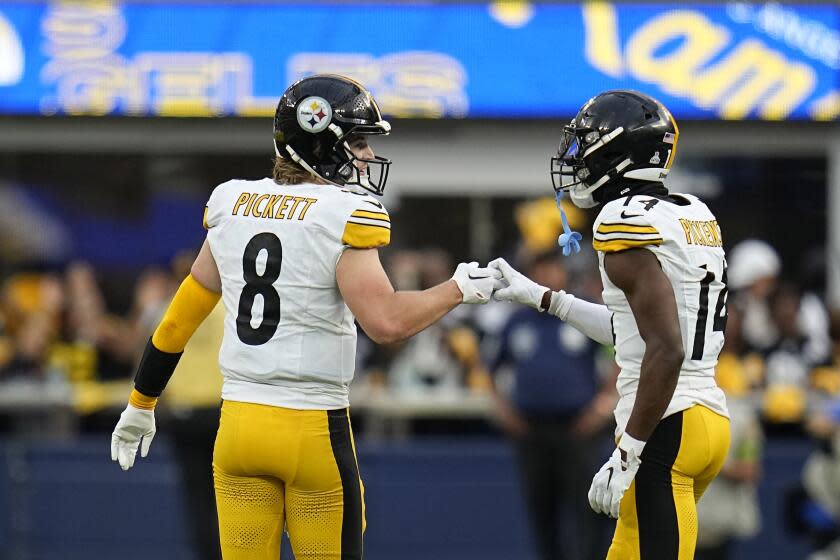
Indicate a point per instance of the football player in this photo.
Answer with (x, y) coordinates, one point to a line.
(294, 259)
(664, 275)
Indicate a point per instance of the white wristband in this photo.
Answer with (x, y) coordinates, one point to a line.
(630, 444)
(560, 304)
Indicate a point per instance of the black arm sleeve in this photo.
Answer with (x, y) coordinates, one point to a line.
(154, 371)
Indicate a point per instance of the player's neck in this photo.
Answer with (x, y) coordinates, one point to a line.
(632, 187)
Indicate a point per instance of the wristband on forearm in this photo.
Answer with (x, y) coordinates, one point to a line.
(592, 319)
(154, 371)
(629, 444)
(141, 401)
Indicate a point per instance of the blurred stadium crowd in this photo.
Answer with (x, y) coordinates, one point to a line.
(780, 367)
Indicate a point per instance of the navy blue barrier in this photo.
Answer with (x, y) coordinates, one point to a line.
(452, 499)
(442, 499)
(782, 469)
(68, 500)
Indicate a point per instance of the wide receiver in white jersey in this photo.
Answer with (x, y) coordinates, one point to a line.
(294, 259)
(664, 274)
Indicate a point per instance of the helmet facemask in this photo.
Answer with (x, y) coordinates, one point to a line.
(373, 174)
(569, 170)
(340, 166)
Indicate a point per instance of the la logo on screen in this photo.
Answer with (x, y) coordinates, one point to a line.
(11, 54)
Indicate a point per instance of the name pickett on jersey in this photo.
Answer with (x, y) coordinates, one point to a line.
(359, 220)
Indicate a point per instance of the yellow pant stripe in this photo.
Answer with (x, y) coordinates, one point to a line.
(658, 517)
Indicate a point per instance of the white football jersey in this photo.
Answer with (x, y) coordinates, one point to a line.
(289, 338)
(686, 240)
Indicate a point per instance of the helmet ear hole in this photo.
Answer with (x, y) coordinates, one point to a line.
(648, 116)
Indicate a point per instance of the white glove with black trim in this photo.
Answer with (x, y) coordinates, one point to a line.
(135, 424)
(518, 287)
(476, 283)
(612, 481)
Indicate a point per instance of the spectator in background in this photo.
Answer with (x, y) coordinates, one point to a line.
(786, 362)
(32, 305)
(91, 331)
(753, 275)
(29, 348)
(555, 413)
(813, 508)
(729, 510)
(820, 506)
(100, 344)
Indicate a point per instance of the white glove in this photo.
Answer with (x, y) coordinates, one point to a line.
(135, 424)
(520, 288)
(615, 477)
(476, 284)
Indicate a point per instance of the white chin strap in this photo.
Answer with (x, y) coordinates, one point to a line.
(648, 174)
(583, 196)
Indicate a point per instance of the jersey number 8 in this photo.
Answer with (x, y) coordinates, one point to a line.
(260, 284)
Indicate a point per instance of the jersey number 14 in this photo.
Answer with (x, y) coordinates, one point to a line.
(719, 321)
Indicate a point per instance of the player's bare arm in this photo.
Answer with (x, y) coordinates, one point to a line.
(637, 273)
(205, 271)
(387, 315)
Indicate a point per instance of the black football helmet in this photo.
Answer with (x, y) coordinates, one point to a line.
(315, 121)
(616, 136)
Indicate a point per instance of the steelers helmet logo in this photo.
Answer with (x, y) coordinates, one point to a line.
(314, 114)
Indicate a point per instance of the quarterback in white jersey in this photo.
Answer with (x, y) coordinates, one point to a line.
(281, 244)
(294, 259)
(663, 270)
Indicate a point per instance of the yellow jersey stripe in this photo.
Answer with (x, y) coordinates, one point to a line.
(370, 214)
(618, 244)
(629, 228)
(365, 236)
(204, 219)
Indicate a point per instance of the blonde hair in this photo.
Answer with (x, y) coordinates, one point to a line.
(287, 172)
